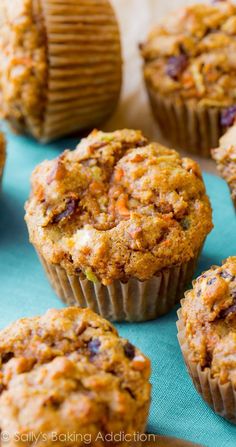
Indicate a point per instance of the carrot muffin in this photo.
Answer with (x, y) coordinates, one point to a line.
(207, 335)
(2, 155)
(67, 377)
(190, 73)
(225, 157)
(60, 65)
(119, 223)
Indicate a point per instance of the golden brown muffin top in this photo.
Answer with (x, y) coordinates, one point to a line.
(118, 206)
(225, 157)
(209, 315)
(191, 55)
(70, 372)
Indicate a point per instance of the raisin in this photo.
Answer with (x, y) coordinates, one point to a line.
(130, 392)
(230, 310)
(226, 275)
(129, 350)
(211, 281)
(228, 116)
(71, 205)
(185, 224)
(176, 65)
(7, 356)
(2, 388)
(53, 402)
(93, 346)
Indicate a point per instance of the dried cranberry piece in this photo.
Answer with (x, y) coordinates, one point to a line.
(71, 205)
(211, 281)
(228, 116)
(230, 310)
(226, 275)
(93, 346)
(176, 65)
(185, 224)
(7, 356)
(2, 388)
(129, 350)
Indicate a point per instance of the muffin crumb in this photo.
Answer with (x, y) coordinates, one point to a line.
(209, 316)
(119, 207)
(67, 372)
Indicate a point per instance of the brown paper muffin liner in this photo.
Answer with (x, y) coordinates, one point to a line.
(221, 398)
(131, 301)
(194, 129)
(84, 65)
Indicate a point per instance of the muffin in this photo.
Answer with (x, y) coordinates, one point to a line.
(225, 157)
(190, 74)
(60, 65)
(2, 155)
(119, 224)
(207, 336)
(67, 377)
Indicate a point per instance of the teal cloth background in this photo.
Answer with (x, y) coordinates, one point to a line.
(177, 409)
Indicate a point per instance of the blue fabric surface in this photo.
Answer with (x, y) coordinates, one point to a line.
(177, 409)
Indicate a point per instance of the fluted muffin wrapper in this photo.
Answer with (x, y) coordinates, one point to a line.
(192, 128)
(84, 66)
(131, 301)
(221, 398)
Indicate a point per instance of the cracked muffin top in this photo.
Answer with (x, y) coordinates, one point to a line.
(70, 372)
(118, 206)
(2, 152)
(191, 55)
(209, 315)
(225, 157)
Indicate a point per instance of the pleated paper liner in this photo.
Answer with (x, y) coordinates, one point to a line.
(194, 129)
(131, 301)
(221, 398)
(84, 65)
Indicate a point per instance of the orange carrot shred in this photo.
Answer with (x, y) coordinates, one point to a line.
(119, 173)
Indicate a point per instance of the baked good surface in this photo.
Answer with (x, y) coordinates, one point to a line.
(190, 55)
(118, 206)
(209, 316)
(225, 157)
(68, 372)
